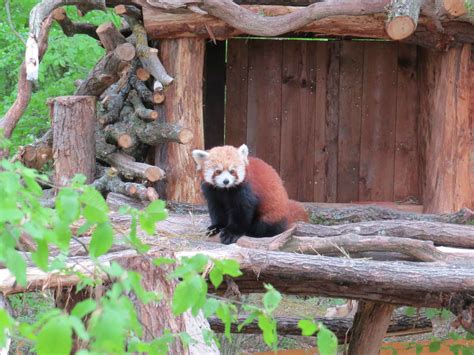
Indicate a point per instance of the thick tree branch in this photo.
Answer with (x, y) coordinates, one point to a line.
(71, 28)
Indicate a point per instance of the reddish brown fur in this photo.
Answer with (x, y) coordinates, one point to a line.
(274, 202)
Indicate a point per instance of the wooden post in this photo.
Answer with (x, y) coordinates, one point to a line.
(158, 316)
(370, 325)
(184, 59)
(73, 120)
(445, 129)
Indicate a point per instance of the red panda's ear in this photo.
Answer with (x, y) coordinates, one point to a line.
(199, 157)
(244, 152)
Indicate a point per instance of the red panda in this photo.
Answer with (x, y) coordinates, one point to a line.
(245, 195)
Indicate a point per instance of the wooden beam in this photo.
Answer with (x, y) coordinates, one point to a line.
(184, 59)
(340, 326)
(445, 129)
(432, 31)
(370, 326)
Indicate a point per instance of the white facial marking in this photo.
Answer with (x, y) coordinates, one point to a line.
(244, 152)
(240, 174)
(225, 180)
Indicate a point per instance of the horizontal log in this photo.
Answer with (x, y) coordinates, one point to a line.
(110, 36)
(115, 201)
(360, 213)
(269, 20)
(442, 234)
(140, 110)
(399, 325)
(128, 167)
(110, 182)
(400, 283)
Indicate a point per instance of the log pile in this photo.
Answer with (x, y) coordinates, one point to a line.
(128, 84)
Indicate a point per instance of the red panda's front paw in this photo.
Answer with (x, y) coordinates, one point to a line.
(213, 230)
(228, 238)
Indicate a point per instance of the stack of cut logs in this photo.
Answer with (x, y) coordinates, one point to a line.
(128, 84)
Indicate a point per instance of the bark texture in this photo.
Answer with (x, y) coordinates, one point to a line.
(73, 120)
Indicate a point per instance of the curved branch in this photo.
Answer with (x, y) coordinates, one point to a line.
(25, 87)
(255, 24)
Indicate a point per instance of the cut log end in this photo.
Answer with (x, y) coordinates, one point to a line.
(143, 74)
(154, 173)
(400, 28)
(125, 51)
(158, 97)
(455, 8)
(125, 141)
(151, 194)
(185, 136)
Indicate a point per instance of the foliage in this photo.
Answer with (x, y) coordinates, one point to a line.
(66, 60)
(112, 325)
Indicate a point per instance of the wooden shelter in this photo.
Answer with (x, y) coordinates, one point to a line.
(351, 118)
(343, 113)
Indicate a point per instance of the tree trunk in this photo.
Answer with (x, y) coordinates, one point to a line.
(158, 316)
(445, 143)
(73, 120)
(340, 326)
(184, 58)
(402, 18)
(370, 326)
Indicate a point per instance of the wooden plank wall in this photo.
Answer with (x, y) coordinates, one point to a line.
(471, 117)
(337, 120)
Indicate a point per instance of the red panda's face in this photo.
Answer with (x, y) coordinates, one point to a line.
(223, 167)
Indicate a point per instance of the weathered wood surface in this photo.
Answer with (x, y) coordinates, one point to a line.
(73, 119)
(107, 70)
(408, 283)
(340, 326)
(445, 144)
(132, 169)
(37, 154)
(370, 325)
(328, 97)
(183, 105)
(341, 22)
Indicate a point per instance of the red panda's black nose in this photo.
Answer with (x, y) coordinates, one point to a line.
(226, 182)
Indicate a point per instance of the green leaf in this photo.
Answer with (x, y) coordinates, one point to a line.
(83, 308)
(154, 212)
(96, 209)
(216, 277)
(327, 341)
(182, 299)
(40, 256)
(79, 328)
(67, 205)
(5, 323)
(32, 185)
(160, 261)
(435, 346)
(62, 235)
(12, 215)
(102, 240)
(210, 307)
(250, 318)
(223, 312)
(229, 267)
(108, 330)
(308, 327)
(268, 326)
(272, 299)
(186, 339)
(17, 265)
(55, 337)
(410, 311)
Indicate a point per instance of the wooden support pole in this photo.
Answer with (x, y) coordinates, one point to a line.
(158, 316)
(445, 129)
(184, 58)
(370, 326)
(73, 120)
(402, 18)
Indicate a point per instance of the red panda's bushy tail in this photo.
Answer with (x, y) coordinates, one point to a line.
(297, 212)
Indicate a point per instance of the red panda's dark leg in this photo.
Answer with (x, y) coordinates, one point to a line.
(243, 206)
(216, 208)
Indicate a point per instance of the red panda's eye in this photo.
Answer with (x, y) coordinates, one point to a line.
(232, 171)
(218, 172)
